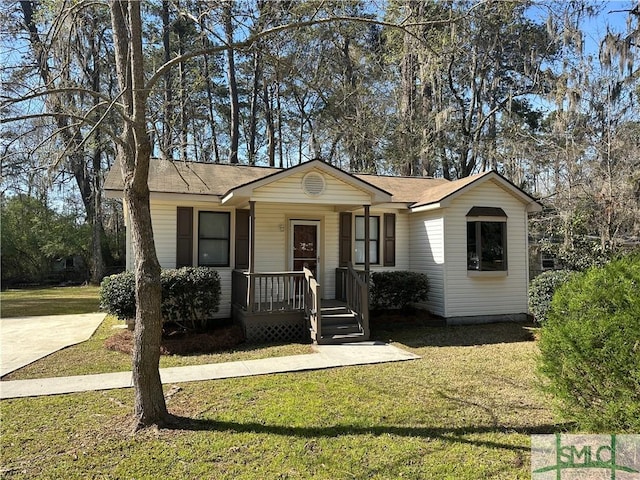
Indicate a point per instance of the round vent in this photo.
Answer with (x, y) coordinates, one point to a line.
(313, 184)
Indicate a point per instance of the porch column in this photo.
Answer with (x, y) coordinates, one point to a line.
(251, 293)
(367, 239)
(252, 236)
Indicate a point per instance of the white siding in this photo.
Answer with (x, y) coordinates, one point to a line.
(289, 190)
(485, 295)
(427, 255)
(163, 220)
(273, 245)
(164, 223)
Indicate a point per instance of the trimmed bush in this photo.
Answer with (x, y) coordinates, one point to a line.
(590, 347)
(190, 296)
(541, 290)
(118, 295)
(396, 289)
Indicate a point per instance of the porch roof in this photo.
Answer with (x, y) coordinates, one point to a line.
(244, 191)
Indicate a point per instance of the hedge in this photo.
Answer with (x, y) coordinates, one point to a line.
(590, 348)
(190, 296)
(541, 290)
(397, 289)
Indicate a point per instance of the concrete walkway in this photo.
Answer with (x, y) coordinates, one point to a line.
(327, 356)
(24, 340)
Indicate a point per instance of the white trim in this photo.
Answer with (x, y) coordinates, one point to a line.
(377, 195)
(487, 273)
(427, 208)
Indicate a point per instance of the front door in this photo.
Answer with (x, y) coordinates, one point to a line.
(305, 245)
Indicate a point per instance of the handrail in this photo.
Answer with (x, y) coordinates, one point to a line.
(313, 310)
(353, 289)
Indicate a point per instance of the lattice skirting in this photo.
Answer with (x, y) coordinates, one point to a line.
(275, 328)
(274, 333)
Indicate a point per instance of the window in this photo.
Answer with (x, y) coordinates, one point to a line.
(374, 235)
(548, 261)
(213, 239)
(486, 239)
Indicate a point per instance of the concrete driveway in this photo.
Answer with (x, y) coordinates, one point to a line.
(24, 340)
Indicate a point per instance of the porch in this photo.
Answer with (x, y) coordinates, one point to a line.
(276, 306)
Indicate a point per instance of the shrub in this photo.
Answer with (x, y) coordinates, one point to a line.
(190, 295)
(396, 289)
(118, 295)
(590, 347)
(541, 290)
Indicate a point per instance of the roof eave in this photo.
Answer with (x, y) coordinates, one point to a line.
(427, 207)
(246, 190)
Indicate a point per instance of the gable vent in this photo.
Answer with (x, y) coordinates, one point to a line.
(313, 184)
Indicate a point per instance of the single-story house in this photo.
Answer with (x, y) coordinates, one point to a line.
(292, 246)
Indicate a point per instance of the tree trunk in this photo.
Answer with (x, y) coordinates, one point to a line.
(89, 186)
(271, 129)
(184, 124)
(207, 74)
(134, 151)
(234, 120)
(149, 407)
(167, 129)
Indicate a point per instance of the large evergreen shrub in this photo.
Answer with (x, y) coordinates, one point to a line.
(541, 290)
(118, 295)
(397, 288)
(590, 347)
(190, 296)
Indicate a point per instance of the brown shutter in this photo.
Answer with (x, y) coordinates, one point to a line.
(389, 239)
(184, 240)
(242, 239)
(345, 238)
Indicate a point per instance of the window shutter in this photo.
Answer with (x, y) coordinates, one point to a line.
(345, 238)
(389, 239)
(184, 239)
(242, 239)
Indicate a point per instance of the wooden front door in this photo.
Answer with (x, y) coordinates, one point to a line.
(305, 245)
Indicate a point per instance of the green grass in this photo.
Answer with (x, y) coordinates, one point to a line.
(92, 357)
(49, 301)
(464, 411)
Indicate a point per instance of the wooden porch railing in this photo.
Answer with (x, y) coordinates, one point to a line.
(268, 291)
(312, 308)
(352, 287)
(279, 292)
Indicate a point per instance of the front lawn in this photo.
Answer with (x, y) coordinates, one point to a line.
(30, 302)
(464, 411)
(92, 357)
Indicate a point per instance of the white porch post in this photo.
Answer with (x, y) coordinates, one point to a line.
(367, 239)
(252, 250)
(252, 236)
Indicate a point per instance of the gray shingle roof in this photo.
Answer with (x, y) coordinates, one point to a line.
(219, 179)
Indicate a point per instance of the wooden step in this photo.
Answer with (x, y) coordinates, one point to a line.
(342, 338)
(340, 329)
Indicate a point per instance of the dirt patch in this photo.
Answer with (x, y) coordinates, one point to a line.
(175, 342)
